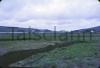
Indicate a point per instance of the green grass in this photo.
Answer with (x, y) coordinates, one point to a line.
(77, 50)
(80, 51)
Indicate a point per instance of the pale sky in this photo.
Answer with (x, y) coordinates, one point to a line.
(44, 14)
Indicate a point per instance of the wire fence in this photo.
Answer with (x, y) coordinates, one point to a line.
(53, 35)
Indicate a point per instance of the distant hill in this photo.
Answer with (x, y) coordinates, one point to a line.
(95, 29)
(18, 29)
(9, 29)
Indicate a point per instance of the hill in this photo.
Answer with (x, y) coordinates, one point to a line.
(19, 29)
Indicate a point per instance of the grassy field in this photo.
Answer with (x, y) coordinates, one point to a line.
(81, 55)
(85, 54)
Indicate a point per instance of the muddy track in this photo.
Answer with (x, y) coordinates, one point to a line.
(15, 56)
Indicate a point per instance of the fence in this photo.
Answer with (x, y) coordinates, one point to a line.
(53, 35)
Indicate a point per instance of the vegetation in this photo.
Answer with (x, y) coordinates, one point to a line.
(77, 54)
(55, 53)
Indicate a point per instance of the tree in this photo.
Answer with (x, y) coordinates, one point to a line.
(99, 0)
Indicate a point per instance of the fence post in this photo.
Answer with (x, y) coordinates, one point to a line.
(91, 34)
(78, 36)
(66, 35)
(83, 36)
(29, 33)
(24, 35)
(71, 35)
(12, 35)
(55, 33)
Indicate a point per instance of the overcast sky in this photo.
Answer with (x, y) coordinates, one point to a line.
(44, 14)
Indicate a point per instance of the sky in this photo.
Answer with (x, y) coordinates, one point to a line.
(45, 14)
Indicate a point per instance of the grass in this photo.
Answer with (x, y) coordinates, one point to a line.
(77, 50)
(24, 45)
(80, 51)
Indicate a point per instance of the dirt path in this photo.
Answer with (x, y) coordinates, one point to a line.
(3, 51)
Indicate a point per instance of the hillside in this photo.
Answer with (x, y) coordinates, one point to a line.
(19, 29)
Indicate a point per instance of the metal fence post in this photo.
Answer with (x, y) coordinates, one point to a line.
(12, 35)
(24, 35)
(71, 35)
(83, 36)
(29, 33)
(66, 35)
(91, 34)
(78, 36)
(55, 33)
